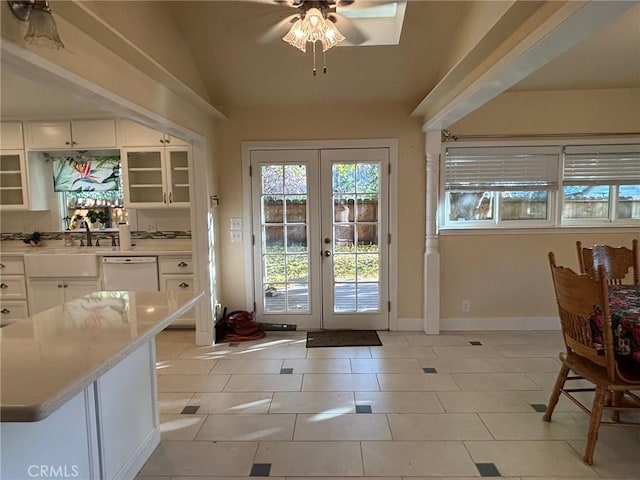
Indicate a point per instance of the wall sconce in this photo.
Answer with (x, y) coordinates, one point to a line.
(42, 26)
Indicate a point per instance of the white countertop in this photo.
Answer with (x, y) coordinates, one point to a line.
(49, 357)
(143, 248)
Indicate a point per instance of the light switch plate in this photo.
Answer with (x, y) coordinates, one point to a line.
(235, 223)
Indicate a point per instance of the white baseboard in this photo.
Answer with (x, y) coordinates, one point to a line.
(499, 323)
(481, 324)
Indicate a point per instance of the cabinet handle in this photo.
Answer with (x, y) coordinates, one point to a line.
(161, 140)
(183, 285)
(67, 143)
(164, 197)
(4, 285)
(5, 311)
(170, 197)
(64, 285)
(2, 265)
(73, 143)
(182, 264)
(59, 285)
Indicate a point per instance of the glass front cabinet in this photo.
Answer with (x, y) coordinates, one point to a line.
(13, 182)
(156, 177)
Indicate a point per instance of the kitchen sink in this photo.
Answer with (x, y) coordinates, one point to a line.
(62, 262)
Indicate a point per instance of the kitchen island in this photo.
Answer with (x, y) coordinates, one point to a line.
(78, 386)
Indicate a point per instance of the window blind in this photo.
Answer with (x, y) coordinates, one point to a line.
(501, 169)
(602, 164)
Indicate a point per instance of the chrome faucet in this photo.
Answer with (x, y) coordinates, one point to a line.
(86, 226)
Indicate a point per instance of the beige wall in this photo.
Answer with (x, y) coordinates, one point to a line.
(328, 123)
(507, 275)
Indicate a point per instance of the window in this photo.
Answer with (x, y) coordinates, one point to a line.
(519, 187)
(90, 187)
(499, 186)
(601, 184)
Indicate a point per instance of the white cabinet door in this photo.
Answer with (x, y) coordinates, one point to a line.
(78, 288)
(133, 134)
(44, 294)
(94, 133)
(13, 181)
(11, 136)
(176, 274)
(49, 135)
(144, 177)
(177, 175)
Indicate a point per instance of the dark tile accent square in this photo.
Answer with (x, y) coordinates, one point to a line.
(260, 470)
(539, 407)
(429, 370)
(475, 342)
(286, 371)
(363, 408)
(487, 469)
(190, 409)
(234, 344)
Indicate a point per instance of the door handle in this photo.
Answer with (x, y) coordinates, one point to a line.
(326, 253)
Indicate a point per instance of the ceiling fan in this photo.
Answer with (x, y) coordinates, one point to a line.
(316, 21)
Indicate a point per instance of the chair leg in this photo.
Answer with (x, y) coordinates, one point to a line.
(555, 393)
(594, 423)
(616, 399)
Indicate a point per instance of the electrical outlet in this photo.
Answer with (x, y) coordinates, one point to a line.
(235, 223)
(466, 306)
(236, 236)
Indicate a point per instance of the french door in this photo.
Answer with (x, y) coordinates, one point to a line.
(320, 226)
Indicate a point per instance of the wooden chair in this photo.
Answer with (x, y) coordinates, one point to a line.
(617, 261)
(581, 301)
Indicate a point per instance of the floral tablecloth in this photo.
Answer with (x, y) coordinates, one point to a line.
(624, 305)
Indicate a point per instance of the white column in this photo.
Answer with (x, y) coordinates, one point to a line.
(431, 322)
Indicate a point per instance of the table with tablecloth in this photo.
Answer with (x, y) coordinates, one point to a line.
(624, 306)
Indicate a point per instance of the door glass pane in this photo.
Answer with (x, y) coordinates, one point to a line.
(356, 260)
(284, 226)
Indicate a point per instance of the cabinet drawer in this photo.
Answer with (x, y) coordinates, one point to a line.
(12, 287)
(175, 265)
(177, 282)
(12, 311)
(11, 266)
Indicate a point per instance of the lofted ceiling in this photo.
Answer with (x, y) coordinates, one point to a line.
(239, 68)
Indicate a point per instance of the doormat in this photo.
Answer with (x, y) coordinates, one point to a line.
(343, 338)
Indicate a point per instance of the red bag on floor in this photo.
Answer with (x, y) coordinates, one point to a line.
(240, 327)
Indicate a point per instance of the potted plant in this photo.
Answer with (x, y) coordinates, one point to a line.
(33, 239)
(97, 216)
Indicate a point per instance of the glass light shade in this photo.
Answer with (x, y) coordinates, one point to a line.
(43, 30)
(296, 36)
(332, 36)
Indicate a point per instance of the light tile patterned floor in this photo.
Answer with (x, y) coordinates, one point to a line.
(273, 407)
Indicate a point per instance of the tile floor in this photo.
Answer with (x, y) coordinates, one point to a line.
(419, 406)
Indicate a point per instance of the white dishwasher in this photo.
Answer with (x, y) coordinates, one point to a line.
(130, 273)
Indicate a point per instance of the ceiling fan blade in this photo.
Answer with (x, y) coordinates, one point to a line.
(278, 30)
(352, 33)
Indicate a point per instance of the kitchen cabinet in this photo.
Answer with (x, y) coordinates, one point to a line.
(13, 180)
(74, 134)
(11, 136)
(45, 294)
(13, 292)
(176, 273)
(132, 134)
(156, 177)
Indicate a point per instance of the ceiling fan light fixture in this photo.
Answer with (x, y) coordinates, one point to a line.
(42, 26)
(313, 26)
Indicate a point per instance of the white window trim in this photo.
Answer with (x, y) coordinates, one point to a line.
(555, 199)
